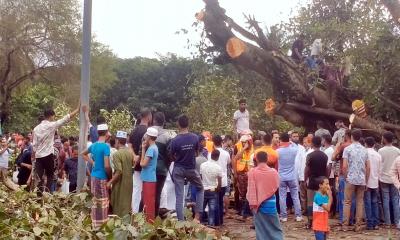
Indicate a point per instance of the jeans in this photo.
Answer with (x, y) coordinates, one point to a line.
(220, 207)
(178, 176)
(320, 235)
(340, 197)
(390, 193)
(359, 190)
(371, 207)
(294, 192)
(211, 200)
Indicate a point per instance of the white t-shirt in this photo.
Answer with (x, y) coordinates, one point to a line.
(329, 152)
(223, 161)
(4, 158)
(243, 120)
(389, 155)
(210, 171)
(375, 164)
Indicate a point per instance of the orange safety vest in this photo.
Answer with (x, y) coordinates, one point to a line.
(242, 165)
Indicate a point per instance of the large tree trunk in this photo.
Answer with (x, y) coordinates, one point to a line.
(289, 81)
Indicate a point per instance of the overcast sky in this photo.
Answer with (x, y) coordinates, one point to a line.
(147, 27)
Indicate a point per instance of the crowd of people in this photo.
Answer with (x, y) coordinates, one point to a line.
(268, 175)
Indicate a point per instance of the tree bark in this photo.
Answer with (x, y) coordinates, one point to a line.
(289, 82)
(394, 8)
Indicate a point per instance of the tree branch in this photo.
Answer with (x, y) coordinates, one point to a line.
(8, 68)
(262, 39)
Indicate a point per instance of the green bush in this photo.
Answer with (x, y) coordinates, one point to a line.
(23, 215)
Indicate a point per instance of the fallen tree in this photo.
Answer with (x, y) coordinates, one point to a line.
(289, 81)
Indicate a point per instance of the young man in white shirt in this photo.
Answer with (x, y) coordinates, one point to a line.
(43, 145)
(241, 118)
(224, 160)
(372, 191)
(329, 150)
(211, 174)
(389, 153)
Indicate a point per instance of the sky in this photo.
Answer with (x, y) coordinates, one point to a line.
(147, 27)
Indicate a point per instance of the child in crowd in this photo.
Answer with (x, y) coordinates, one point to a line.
(321, 206)
(71, 169)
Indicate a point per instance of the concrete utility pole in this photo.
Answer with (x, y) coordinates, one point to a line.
(85, 87)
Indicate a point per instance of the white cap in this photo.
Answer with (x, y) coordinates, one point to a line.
(102, 127)
(121, 134)
(152, 132)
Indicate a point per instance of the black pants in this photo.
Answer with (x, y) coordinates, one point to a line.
(72, 187)
(334, 200)
(159, 188)
(45, 165)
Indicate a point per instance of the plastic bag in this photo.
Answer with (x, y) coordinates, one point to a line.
(15, 176)
(65, 187)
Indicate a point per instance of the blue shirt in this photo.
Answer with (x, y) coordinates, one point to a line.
(99, 150)
(269, 206)
(320, 199)
(286, 162)
(148, 173)
(184, 147)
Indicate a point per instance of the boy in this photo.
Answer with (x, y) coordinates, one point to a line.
(148, 176)
(101, 172)
(121, 182)
(321, 206)
(71, 169)
(211, 174)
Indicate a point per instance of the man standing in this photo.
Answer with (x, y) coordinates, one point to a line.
(288, 178)
(163, 161)
(315, 168)
(211, 174)
(241, 166)
(301, 159)
(372, 191)
(275, 140)
(70, 169)
(262, 185)
(241, 118)
(338, 136)
(184, 148)
(338, 157)
(121, 182)
(135, 143)
(356, 170)
(101, 172)
(329, 150)
(321, 131)
(267, 148)
(43, 145)
(5, 153)
(297, 49)
(223, 160)
(389, 154)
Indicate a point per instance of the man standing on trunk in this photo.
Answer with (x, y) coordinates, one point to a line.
(241, 118)
(43, 145)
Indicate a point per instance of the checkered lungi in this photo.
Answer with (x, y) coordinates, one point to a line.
(242, 180)
(100, 200)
